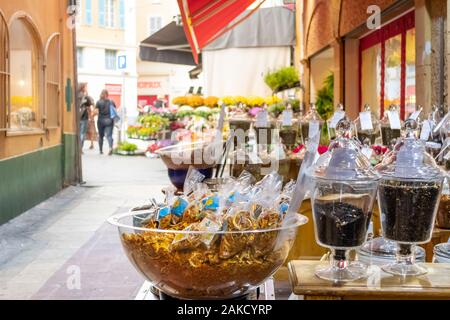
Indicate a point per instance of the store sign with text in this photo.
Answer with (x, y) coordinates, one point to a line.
(149, 85)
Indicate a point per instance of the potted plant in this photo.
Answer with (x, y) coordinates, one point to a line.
(282, 79)
(126, 148)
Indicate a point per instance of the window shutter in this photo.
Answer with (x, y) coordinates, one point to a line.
(101, 13)
(88, 12)
(122, 13)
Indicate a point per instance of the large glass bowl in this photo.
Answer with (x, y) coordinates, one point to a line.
(234, 263)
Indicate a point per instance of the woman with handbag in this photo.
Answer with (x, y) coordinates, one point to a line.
(106, 111)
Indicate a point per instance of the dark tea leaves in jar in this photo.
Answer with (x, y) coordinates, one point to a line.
(340, 224)
(407, 209)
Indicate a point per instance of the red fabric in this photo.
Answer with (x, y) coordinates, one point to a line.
(205, 19)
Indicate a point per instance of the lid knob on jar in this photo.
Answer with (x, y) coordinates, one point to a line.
(410, 126)
(344, 128)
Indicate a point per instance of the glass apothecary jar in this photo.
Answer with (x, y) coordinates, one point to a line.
(366, 135)
(443, 215)
(408, 196)
(344, 191)
(312, 118)
(389, 136)
(441, 253)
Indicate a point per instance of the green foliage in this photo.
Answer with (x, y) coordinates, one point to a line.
(284, 77)
(128, 147)
(154, 121)
(277, 109)
(324, 139)
(203, 112)
(295, 104)
(325, 98)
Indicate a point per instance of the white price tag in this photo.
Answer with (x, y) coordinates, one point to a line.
(415, 115)
(394, 120)
(262, 119)
(426, 130)
(337, 116)
(314, 127)
(365, 119)
(287, 118)
(367, 152)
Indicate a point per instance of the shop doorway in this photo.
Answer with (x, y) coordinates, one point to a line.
(115, 93)
(387, 67)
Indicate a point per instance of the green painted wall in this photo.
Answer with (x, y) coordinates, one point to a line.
(27, 180)
(70, 142)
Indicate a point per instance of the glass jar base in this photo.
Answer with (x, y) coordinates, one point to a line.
(353, 271)
(402, 269)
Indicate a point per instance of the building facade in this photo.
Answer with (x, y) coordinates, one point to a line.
(106, 50)
(159, 79)
(381, 52)
(37, 115)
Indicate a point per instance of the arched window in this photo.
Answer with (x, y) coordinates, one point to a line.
(4, 71)
(26, 76)
(52, 82)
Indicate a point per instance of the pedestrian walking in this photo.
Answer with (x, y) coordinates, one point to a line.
(106, 111)
(86, 103)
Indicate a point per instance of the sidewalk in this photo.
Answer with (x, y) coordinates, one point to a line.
(67, 235)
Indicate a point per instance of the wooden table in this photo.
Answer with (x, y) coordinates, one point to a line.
(379, 285)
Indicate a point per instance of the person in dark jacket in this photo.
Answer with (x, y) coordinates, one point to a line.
(85, 103)
(105, 122)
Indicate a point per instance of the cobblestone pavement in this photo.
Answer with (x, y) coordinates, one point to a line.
(64, 249)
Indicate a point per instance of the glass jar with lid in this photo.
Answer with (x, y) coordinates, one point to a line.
(343, 195)
(367, 134)
(310, 122)
(390, 135)
(408, 196)
(288, 127)
(441, 253)
(443, 215)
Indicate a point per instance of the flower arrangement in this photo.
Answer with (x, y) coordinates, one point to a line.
(132, 131)
(211, 102)
(180, 101)
(255, 101)
(272, 100)
(185, 111)
(203, 112)
(229, 101)
(195, 101)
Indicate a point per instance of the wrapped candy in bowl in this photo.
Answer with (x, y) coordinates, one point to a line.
(207, 246)
(200, 263)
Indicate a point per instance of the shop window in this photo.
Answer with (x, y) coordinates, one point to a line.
(80, 57)
(26, 74)
(322, 66)
(4, 71)
(110, 59)
(52, 82)
(387, 67)
(110, 13)
(155, 24)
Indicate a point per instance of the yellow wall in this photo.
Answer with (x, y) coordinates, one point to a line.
(49, 17)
